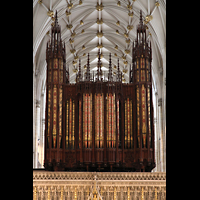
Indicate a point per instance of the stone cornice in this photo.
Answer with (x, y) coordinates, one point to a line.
(103, 178)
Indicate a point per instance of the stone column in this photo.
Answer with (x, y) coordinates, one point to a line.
(34, 86)
(42, 128)
(37, 131)
(164, 125)
(155, 100)
(160, 134)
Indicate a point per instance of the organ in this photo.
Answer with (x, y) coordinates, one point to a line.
(99, 123)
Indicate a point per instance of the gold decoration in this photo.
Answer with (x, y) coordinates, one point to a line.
(119, 3)
(70, 5)
(128, 193)
(130, 14)
(68, 13)
(48, 194)
(156, 193)
(130, 27)
(117, 31)
(99, 21)
(115, 54)
(157, 3)
(50, 13)
(129, 6)
(126, 35)
(69, 26)
(127, 51)
(115, 67)
(74, 62)
(149, 33)
(82, 31)
(83, 47)
(142, 194)
(84, 54)
(81, 22)
(125, 62)
(75, 194)
(114, 73)
(99, 7)
(116, 47)
(52, 24)
(124, 57)
(148, 18)
(71, 41)
(128, 41)
(85, 67)
(61, 195)
(40, 2)
(80, 2)
(99, 46)
(125, 70)
(118, 23)
(75, 70)
(99, 34)
(76, 57)
(72, 50)
(115, 198)
(73, 34)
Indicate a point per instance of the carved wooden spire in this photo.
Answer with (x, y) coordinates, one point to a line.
(141, 22)
(88, 68)
(110, 78)
(99, 72)
(56, 20)
(118, 72)
(79, 71)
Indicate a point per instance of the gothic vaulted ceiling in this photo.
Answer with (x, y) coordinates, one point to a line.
(108, 25)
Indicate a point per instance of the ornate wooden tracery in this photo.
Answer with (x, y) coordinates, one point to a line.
(99, 123)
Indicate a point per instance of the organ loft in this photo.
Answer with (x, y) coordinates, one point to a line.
(99, 123)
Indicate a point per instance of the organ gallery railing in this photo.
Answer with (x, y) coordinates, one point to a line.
(109, 186)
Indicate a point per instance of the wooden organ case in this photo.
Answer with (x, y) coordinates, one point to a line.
(99, 123)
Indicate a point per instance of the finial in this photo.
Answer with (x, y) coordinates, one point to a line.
(88, 68)
(56, 19)
(118, 71)
(110, 69)
(141, 22)
(80, 69)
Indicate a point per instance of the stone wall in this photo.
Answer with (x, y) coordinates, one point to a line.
(99, 185)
